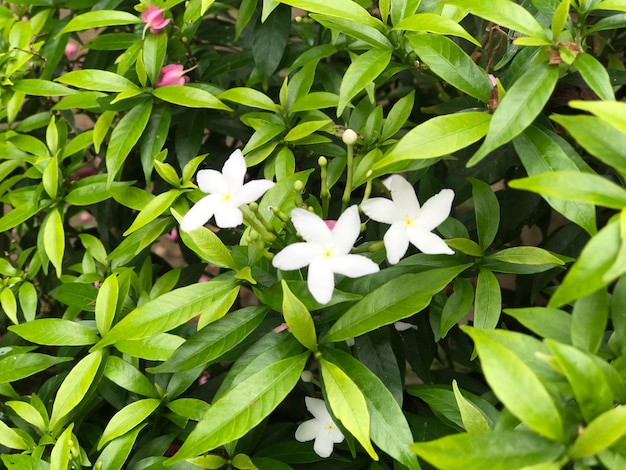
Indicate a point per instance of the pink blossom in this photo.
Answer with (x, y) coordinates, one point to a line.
(153, 17)
(70, 50)
(493, 80)
(173, 235)
(172, 74)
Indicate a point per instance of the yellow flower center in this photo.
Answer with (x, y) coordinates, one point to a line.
(409, 221)
(330, 427)
(328, 253)
(226, 197)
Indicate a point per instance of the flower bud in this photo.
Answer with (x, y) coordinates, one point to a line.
(349, 137)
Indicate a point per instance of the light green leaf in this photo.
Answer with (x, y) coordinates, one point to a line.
(125, 375)
(530, 255)
(363, 70)
(50, 178)
(611, 112)
(9, 304)
(488, 302)
(595, 75)
(154, 49)
(19, 366)
(431, 23)
(618, 5)
(298, 319)
(601, 433)
(189, 97)
(28, 300)
(99, 19)
(515, 383)
(60, 455)
(589, 319)
(54, 239)
(55, 332)
(560, 17)
(127, 418)
(398, 116)
(446, 59)
(473, 419)
(546, 322)
(28, 413)
(106, 304)
(439, 136)
(305, 129)
(9, 438)
(243, 407)
(249, 97)
(37, 87)
(346, 9)
(117, 451)
(348, 404)
(159, 347)
(368, 34)
(97, 80)
(167, 312)
(74, 388)
(153, 209)
(519, 107)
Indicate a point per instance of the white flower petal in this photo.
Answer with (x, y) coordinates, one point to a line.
(323, 445)
(199, 214)
(403, 195)
(211, 182)
(346, 231)
(396, 242)
(321, 280)
(380, 209)
(436, 209)
(428, 242)
(251, 191)
(335, 434)
(234, 170)
(317, 408)
(309, 430)
(228, 216)
(353, 265)
(294, 256)
(312, 228)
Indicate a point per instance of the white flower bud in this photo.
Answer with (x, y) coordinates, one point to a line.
(349, 137)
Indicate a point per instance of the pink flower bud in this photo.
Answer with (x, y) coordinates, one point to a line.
(493, 80)
(172, 74)
(173, 235)
(153, 17)
(70, 50)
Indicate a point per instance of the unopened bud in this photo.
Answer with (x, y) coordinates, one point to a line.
(298, 186)
(349, 137)
(322, 161)
(306, 376)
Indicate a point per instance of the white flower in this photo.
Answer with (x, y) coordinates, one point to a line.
(325, 251)
(322, 428)
(409, 222)
(226, 193)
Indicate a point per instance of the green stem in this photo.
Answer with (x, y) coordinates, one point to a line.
(270, 237)
(324, 191)
(349, 174)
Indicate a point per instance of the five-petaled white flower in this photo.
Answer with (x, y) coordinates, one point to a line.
(410, 222)
(226, 194)
(325, 251)
(322, 428)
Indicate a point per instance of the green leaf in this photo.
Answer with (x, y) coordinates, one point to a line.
(249, 97)
(243, 407)
(618, 5)
(99, 19)
(589, 318)
(530, 255)
(389, 428)
(515, 383)
(74, 388)
(106, 304)
(154, 49)
(347, 404)
(487, 211)
(127, 418)
(305, 129)
(209, 344)
(28, 413)
(518, 108)
(501, 450)
(207, 246)
(546, 322)
(431, 23)
(124, 137)
(505, 13)
(37, 87)
(117, 451)
(9, 438)
(189, 97)
(575, 186)
(346, 9)
(9, 304)
(611, 112)
(597, 137)
(269, 41)
(125, 375)
(159, 347)
(153, 209)
(28, 300)
(60, 455)
(55, 332)
(580, 369)
(465, 245)
(393, 301)
(363, 70)
(457, 305)
(368, 34)
(54, 239)
(446, 59)
(50, 178)
(488, 302)
(19, 366)
(601, 433)
(595, 75)
(540, 153)
(560, 17)
(398, 116)
(439, 136)
(298, 319)
(167, 312)
(97, 80)
(473, 419)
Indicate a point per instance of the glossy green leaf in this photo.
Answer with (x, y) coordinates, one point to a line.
(368, 34)
(501, 450)
(611, 112)
(601, 433)
(305, 129)
(393, 301)
(243, 407)
(11, 439)
(28, 300)
(363, 70)
(98, 19)
(55, 332)
(191, 408)
(516, 384)
(473, 419)
(117, 451)
(519, 107)
(19, 366)
(446, 59)
(106, 303)
(248, 97)
(74, 388)
(97, 80)
(540, 153)
(346, 9)
(530, 255)
(465, 245)
(189, 97)
(559, 19)
(37, 87)
(157, 206)
(505, 13)
(575, 186)
(595, 75)
(127, 418)
(28, 413)
(124, 137)
(589, 318)
(50, 178)
(487, 212)
(9, 304)
(439, 136)
(398, 116)
(154, 49)
(166, 312)
(298, 319)
(389, 429)
(270, 40)
(125, 375)
(488, 301)
(546, 322)
(597, 137)
(457, 305)
(431, 23)
(60, 455)
(210, 343)
(159, 347)
(348, 404)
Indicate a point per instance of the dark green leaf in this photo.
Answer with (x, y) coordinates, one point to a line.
(487, 210)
